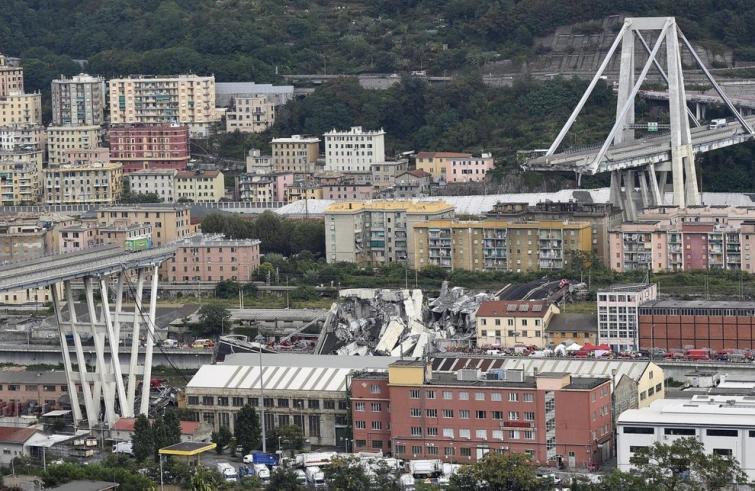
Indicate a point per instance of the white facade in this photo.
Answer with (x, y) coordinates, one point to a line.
(617, 314)
(724, 424)
(354, 150)
(159, 181)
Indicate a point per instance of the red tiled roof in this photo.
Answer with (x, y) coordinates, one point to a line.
(513, 308)
(419, 173)
(127, 424)
(430, 155)
(12, 434)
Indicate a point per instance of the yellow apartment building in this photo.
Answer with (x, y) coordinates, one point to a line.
(99, 183)
(200, 186)
(62, 139)
(508, 323)
(21, 109)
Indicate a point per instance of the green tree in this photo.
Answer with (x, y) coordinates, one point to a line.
(205, 479)
(227, 289)
(289, 437)
(247, 429)
(513, 471)
(159, 435)
(212, 319)
(222, 438)
(346, 474)
(143, 440)
(684, 464)
(172, 423)
(283, 479)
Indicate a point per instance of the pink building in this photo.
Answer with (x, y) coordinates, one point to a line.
(347, 191)
(80, 156)
(78, 237)
(213, 258)
(282, 181)
(150, 146)
(469, 169)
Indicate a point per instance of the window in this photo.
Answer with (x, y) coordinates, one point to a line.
(377, 443)
(733, 433)
(414, 394)
(430, 394)
(329, 404)
(465, 452)
(464, 413)
(679, 431)
(480, 414)
(195, 400)
(448, 395)
(374, 389)
(254, 401)
(495, 396)
(513, 397)
(637, 449)
(313, 404)
(528, 397)
(415, 412)
(639, 430)
(479, 396)
(497, 435)
(448, 413)
(208, 400)
(431, 413)
(497, 414)
(448, 432)
(267, 402)
(314, 426)
(416, 450)
(400, 449)
(514, 434)
(359, 406)
(463, 396)
(465, 434)
(529, 416)
(448, 451)
(222, 401)
(432, 431)
(376, 407)
(360, 425)
(726, 452)
(238, 401)
(513, 415)
(529, 435)
(658, 387)
(377, 425)
(282, 402)
(416, 431)
(360, 443)
(481, 434)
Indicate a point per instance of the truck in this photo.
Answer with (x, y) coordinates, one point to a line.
(717, 123)
(262, 472)
(227, 471)
(423, 469)
(698, 354)
(313, 459)
(123, 447)
(315, 477)
(268, 459)
(406, 482)
(136, 244)
(301, 477)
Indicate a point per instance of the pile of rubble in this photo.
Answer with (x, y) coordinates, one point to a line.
(368, 321)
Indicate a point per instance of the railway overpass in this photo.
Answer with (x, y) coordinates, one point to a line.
(99, 268)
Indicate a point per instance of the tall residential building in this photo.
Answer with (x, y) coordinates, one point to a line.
(617, 314)
(168, 223)
(494, 245)
(98, 183)
(78, 101)
(150, 146)
(11, 78)
(200, 186)
(19, 183)
(23, 144)
(377, 231)
(297, 154)
(21, 109)
(446, 167)
(419, 412)
(183, 99)
(354, 150)
(62, 139)
(213, 258)
(161, 182)
(249, 114)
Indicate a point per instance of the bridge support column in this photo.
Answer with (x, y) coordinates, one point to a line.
(644, 195)
(144, 403)
(128, 411)
(114, 341)
(615, 194)
(73, 394)
(655, 193)
(93, 412)
(630, 210)
(700, 111)
(103, 386)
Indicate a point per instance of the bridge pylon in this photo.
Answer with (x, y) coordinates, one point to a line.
(648, 176)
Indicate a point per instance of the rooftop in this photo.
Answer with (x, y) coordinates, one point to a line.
(232, 88)
(513, 308)
(15, 435)
(206, 240)
(85, 485)
(700, 304)
(442, 155)
(296, 139)
(355, 130)
(187, 449)
(504, 224)
(389, 205)
(567, 321)
(127, 424)
(189, 174)
(628, 288)
(153, 172)
(46, 377)
(700, 410)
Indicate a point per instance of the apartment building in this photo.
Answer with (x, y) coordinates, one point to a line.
(254, 188)
(302, 189)
(21, 109)
(182, 99)
(61, 140)
(682, 324)
(249, 114)
(168, 223)
(11, 78)
(258, 164)
(78, 101)
(377, 231)
(29, 391)
(158, 181)
(150, 146)
(200, 186)
(724, 425)
(297, 154)
(85, 156)
(97, 183)
(448, 167)
(416, 412)
(494, 245)
(601, 216)
(384, 174)
(572, 327)
(347, 190)
(78, 237)
(409, 184)
(509, 323)
(354, 150)
(309, 391)
(19, 183)
(618, 306)
(213, 258)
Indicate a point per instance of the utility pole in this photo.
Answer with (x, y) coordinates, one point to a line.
(262, 396)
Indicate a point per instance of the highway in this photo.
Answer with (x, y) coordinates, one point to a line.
(638, 153)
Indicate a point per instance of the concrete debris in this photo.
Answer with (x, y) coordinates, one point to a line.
(382, 322)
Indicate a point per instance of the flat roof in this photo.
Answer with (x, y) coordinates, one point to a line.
(389, 205)
(700, 410)
(187, 449)
(568, 321)
(503, 224)
(699, 304)
(85, 485)
(627, 287)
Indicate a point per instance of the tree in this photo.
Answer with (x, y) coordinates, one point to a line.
(143, 440)
(247, 429)
(205, 479)
(227, 289)
(172, 423)
(513, 471)
(346, 474)
(289, 437)
(221, 438)
(683, 464)
(160, 437)
(212, 318)
(283, 479)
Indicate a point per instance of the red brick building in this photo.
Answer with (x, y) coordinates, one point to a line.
(679, 324)
(414, 412)
(150, 146)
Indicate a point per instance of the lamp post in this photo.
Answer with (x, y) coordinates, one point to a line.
(262, 410)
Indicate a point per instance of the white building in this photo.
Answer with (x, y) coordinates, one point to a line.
(724, 424)
(617, 314)
(354, 150)
(159, 181)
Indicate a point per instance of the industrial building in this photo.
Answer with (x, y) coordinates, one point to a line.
(617, 314)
